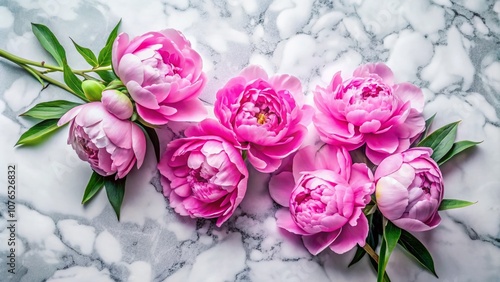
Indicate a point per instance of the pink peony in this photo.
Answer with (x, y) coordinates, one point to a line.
(267, 115)
(110, 144)
(204, 175)
(324, 199)
(369, 109)
(163, 74)
(409, 189)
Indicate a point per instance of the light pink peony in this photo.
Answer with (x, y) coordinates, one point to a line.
(369, 109)
(204, 175)
(409, 189)
(163, 74)
(110, 144)
(325, 196)
(266, 114)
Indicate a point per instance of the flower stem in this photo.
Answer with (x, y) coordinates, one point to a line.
(21, 61)
(368, 249)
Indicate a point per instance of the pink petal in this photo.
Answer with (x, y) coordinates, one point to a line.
(392, 197)
(350, 236)
(188, 110)
(262, 162)
(410, 93)
(284, 220)
(118, 50)
(290, 83)
(280, 187)
(318, 242)
(69, 115)
(151, 116)
(142, 96)
(389, 166)
(253, 72)
(138, 144)
(130, 68)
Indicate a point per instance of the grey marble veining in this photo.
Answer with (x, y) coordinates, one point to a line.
(448, 48)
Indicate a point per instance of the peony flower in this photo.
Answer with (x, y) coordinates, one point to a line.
(324, 199)
(204, 175)
(369, 109)
(163, 74)
(409, 189)
(267, 115)
(110, 144)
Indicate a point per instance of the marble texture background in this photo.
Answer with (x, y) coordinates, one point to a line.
(449, 48)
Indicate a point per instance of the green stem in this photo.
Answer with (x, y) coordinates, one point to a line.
(371, 252)
(21, 61)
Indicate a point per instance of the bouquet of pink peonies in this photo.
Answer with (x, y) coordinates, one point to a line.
(371, 177)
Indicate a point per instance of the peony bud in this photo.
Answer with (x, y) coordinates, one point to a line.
(92, 90)
(117, 103)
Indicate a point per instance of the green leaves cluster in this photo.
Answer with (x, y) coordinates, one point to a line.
(49, 113)
(442, 142)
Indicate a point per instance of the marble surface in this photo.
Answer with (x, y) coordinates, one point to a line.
(449, 48)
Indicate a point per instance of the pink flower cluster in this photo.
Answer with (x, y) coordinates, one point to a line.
(264, 119)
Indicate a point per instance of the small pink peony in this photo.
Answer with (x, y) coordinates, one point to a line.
(325, 201)
(266, 114)
(204, 175)
(163, 74)
(109, 143)
(369, 109)
(409, 189)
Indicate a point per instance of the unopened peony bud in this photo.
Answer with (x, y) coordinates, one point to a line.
(117, 103)
(92, 90)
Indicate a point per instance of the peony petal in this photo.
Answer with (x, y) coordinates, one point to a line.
(280, 187)
(118, 50)
(316, 243)
(408, 92)
(138, 144)
(151, 116)
(69, 115)
(284, 220)
(130, 68)
(392, 197)
(188, 110)
(142, 96)
(253, 72)
(350, 236)
(290, 83)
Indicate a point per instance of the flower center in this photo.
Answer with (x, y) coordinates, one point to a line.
(199, 181)
(261, 118)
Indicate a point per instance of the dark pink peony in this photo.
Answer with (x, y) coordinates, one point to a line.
(204, 175)
(324, 199)
(163, 74)
(369, 109)
(266, 115)
(409, 189)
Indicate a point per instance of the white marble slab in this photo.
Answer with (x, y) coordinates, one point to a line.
(449, 48)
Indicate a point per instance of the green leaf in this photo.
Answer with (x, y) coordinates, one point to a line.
(441, 140)
(49, 42)
(38, 132)
(107, 76)
(115, 189)
(105, 53)
(360, 253)
(73, 82)
(96, 182)
(457, 148)
(390, 239)
(375, 267)
(151, 133)
(448, 204)
(86, 53)
(50, 110)
(428, 124)
(417, 250)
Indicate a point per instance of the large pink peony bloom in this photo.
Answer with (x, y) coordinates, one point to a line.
(369, 109)
(163, 74)
(204, 175)
(325, 196)
(409, 189)
(109, 143)
(266, 114)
